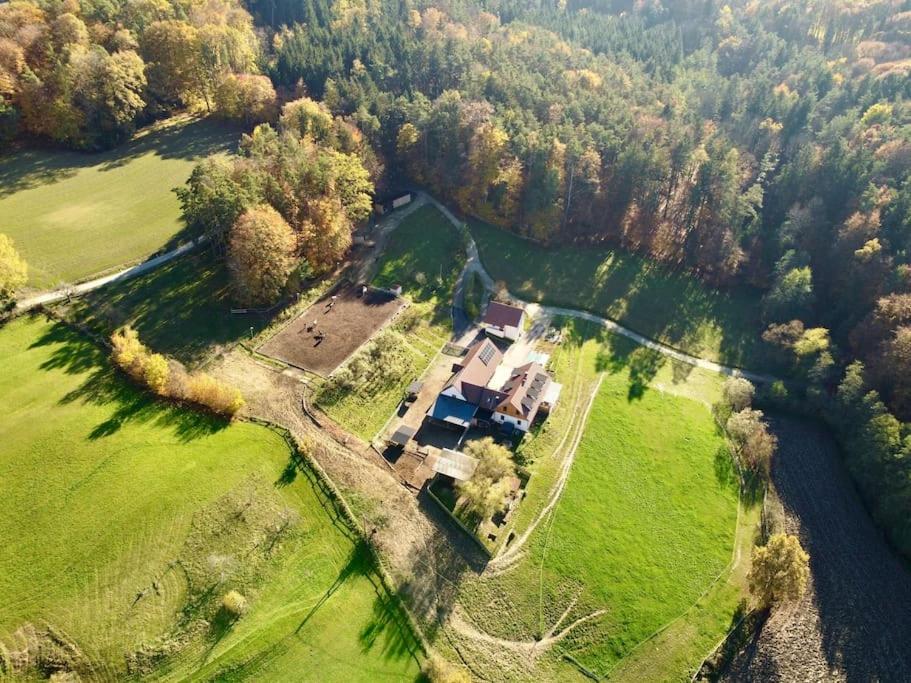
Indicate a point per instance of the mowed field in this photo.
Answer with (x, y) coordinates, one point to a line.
(671, 307)
(72, 215)
(642, 535)
(124, 521)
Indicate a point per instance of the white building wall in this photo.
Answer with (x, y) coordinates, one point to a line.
(511, 332)
(516, 422)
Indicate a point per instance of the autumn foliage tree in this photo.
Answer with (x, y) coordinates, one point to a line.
(249, 98)
(13, 270)
(779, 572)
(754, 443)
(319, 191)
(261, 255)
(83, 74)
(485, 492)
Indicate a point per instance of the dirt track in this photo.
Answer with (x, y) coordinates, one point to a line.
(854, 623)
(428, 556)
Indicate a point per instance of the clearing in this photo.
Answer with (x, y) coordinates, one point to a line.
(125, 520)
(73, 215)
(330, 330)
(670, 307)
(643, 530)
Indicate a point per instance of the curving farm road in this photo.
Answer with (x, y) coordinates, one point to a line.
(475, 265)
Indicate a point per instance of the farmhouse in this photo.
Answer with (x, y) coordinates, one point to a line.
(504, 321)
(483, 388)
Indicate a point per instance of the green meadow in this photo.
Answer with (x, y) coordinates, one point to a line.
(643, 534)
(73, 215)
(125, 521)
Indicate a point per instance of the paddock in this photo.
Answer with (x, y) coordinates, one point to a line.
(328, 332)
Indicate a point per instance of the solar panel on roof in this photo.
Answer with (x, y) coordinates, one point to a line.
(486, 354)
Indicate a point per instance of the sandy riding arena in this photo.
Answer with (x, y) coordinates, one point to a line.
(324, 335)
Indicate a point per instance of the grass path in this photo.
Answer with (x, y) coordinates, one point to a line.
(73, 215)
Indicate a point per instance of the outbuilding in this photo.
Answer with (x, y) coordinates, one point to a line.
(503, 320)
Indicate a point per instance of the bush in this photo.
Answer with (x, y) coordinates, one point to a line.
(156, 373)
(13, 271)
(438, 670)
(234, 604)
(128, 352)
(169, 379)
(220, 398)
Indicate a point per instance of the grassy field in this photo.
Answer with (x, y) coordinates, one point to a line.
(72, 215)
(644, 527)
(182, 309)
(425, 255)
(124, 521)
(675, 308)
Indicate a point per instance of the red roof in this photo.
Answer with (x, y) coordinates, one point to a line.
(503, 315)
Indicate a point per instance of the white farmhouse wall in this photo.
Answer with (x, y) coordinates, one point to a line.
(515, 421)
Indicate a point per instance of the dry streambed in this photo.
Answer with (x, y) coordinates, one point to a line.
(854, 623)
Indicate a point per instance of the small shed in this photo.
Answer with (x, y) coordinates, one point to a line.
(454, 464)
(402, 435)
(413, 390)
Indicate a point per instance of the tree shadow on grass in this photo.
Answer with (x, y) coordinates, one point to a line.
(45, 164)
(725, 473)
(182, 309)
(104, 386)
(388, 629)
(359, 563)
(642, 364)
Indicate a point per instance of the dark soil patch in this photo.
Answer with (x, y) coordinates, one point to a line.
(325, 334)
(854, 623)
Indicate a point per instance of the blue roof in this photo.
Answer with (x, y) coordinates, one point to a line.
(453, 410)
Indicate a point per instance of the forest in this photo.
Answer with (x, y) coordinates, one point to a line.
(751, 143)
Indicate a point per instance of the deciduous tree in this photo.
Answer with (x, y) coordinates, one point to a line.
(754, 443)
(779, 572)
(13, 270)
(485, 492)
(261, 255)
(246, 97)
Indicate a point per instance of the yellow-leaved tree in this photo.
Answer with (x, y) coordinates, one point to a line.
(780, 571)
